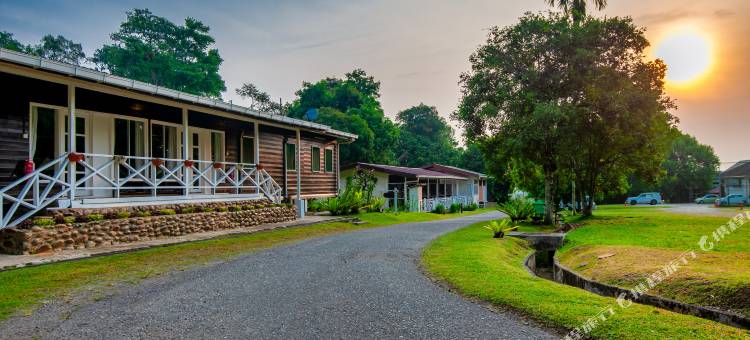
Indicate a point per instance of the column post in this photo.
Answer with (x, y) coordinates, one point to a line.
(71, 141)
(185, 151)
(256, 145)
(300, 209)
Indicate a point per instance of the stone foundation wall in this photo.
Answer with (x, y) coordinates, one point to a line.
(78, 235)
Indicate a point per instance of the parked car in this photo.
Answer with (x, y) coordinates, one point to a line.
(652, 198)
(707, 199)
(733, 199)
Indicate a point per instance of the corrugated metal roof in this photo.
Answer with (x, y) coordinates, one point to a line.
(454, 170)
(131, 84)
(740, 169)
(408, 172)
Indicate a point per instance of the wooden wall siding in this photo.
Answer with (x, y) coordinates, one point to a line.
(271, 156)
(16, 93)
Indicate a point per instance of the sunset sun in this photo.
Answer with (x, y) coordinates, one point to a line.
(688, 55)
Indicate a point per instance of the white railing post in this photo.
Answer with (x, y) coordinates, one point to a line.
(71, 142)
(185, 149)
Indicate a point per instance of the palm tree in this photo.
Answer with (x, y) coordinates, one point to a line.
(576, 8)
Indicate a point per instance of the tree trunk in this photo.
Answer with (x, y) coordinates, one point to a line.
(549, 197)
(588, 207)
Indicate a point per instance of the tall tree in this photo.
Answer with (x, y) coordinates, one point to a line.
(259, 100)
(9, 43)
(153, 49)
(690, 167)
(61, 49)
(515, 96)
(576, 8)
(425, 138)
(354, 97)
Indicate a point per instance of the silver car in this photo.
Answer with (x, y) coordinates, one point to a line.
(652, 198)
(733, 199)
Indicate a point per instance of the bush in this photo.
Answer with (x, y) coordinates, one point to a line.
(222, 209)
(166, 212)
(44, 221)
(235, 208)
(500, 228)
(207, 209)
(315, 205)
(455, 208)
(471, 207)
(518, 209)
(376, 204)
(122, 214)
(69, 219)
(94, 217)
(439, 209)
(187, 210)
(144, 213)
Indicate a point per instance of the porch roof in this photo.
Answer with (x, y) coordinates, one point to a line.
(454, 170)
(419, 173)
(95, 76)
(739, 169)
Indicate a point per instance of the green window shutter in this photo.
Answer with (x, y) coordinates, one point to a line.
(315, 158)
(291, 157)
(329, 160)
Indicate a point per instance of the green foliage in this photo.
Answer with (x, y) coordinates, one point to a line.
(576, 8)
(518, 209)
(153, 49)
(315, 205)
(455, 208)
(690, 169)
(94, 217)
(235, 208)
(143, 213)
(122, 214)
(8, 42)
(471, 207)
(207, 209)
(577, 100)
(425, 138)
(439, 209)
(351, 105)
(376, 204)
(69, 219)
(187, 210)
(499, 229)
(51, 47)
(222, 209)
(166, 212)
(44, 221)
(259, 100)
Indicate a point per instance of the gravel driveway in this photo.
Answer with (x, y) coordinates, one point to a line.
(364, 284)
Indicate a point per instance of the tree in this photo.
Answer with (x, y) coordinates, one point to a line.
(690, 169)
(353, 98)
(152, 49)
(61, 49)
(259, 100)
(9, 43)
(425, 138)
(621, 124)
(576, 8)
(515, 96)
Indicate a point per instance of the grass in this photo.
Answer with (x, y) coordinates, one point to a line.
(643, 240)
(492, 270)
(23, 289)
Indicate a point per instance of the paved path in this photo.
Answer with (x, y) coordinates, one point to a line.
(364, 284)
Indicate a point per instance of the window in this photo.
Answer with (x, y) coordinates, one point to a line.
(291, 157)
(129, 141)
(164, 141)
(196, 154)
(217, 147)
(329, 160)
(315, 151)
(248, 150)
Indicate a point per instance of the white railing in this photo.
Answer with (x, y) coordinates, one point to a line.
(111, 176)
(429, 204)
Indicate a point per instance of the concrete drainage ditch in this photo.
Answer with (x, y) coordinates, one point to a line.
(544, 264)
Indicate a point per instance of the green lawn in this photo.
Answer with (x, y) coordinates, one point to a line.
(23, 289)
(644, 240)
(492, 270)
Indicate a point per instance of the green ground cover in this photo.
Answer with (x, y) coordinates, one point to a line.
(492, 270)
(23, 289)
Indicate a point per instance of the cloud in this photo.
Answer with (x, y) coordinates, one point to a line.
(665, 17)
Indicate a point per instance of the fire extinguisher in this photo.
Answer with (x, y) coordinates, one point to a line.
(28, 167)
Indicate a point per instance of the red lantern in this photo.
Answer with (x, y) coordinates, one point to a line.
(28, 167)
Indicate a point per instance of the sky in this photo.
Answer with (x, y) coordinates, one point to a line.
(418, 49)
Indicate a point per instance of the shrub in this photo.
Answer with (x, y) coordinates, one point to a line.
(235, 208)
(500, 228)
(315, 205)
(222, 209)
(208, 209)
(187, 210)
(144, 213)
(455, 208)
(248, 207)
(376, 204)
(122, 214)
(471, 207)
(166, 212)
(44, 221)
(69, 219)
(94, 217)
(439, 209)
(519, 209)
